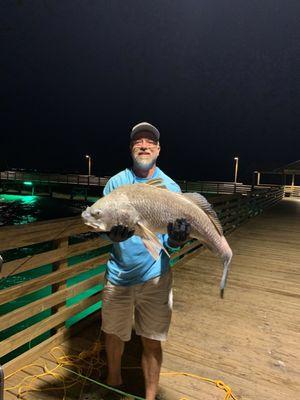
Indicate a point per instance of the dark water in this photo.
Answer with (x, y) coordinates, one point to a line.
(16, 210)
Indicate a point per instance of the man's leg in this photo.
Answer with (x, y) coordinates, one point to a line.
(151, 363)
(114, 347)
(117, 314)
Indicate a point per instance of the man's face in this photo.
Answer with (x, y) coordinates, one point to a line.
(144, 150)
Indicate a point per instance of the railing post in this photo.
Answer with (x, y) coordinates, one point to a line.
(239, 211)
(57, 266)
(1, 383)
(253, 181)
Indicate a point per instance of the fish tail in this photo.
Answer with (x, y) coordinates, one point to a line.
(226, 262)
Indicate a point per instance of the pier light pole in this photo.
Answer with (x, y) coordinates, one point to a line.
(89, 163)
(236, 167)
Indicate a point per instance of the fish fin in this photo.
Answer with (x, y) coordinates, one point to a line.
(151, 242)
(154, 181)
(157, 182)
(151, 248)
(201, 202)
(226, 264)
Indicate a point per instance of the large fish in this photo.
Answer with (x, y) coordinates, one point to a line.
(148, 208)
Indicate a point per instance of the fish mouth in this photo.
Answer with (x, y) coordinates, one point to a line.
(93, 225)
(86, 215)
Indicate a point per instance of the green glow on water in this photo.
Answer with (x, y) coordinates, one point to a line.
(29, 199)
(17, 197)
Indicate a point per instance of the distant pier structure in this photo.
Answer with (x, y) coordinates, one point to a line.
(76, 186)
(57, 185)
(286, 175)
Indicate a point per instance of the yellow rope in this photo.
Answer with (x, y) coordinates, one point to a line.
(218, 383)
(87, 361)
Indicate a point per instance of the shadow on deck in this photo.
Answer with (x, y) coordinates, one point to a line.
(250, 340)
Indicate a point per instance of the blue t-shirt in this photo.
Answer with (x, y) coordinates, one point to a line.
(130, 262)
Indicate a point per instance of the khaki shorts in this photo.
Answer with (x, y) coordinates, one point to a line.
(149, 303)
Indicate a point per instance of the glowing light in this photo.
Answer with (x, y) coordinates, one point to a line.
(17, 197)
(27, 183)
(89, 163)
(236, 167)
(29, 199)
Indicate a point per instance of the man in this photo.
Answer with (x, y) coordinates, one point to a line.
(136, 283)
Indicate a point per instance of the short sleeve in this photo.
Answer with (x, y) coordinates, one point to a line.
(109, 187)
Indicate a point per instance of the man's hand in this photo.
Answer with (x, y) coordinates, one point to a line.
(178, 232)
(119, 233)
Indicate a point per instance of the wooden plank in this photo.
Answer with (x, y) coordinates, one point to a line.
(22, 313)
(35, 284)
(186, 249)
(61, 265)
(26, 380)
(32, 354)
(37, 232)
(187, 257)
(10, 396)
(47, 361)
(17, 340)
(49, 257)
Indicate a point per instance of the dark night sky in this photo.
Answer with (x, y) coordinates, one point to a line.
(219, 78)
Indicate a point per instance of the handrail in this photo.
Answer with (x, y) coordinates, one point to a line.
(58, 249)
(42, 178)
(217, 187)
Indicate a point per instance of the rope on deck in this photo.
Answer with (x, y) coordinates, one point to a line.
(87, 361)
(218, 383)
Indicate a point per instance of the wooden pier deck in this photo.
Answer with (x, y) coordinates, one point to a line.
(250, 340)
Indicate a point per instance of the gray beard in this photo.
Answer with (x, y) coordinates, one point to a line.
(143, 165)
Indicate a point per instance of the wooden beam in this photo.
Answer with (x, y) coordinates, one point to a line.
(15, 236)
(25, 336)
(49, 257)
(30, 355)
(38, 306)
(33, 285)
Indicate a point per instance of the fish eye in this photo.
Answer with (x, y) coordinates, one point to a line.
(96, 213)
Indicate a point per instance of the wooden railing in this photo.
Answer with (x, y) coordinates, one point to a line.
(233, 210)
(293, 191)
(55, 243)
(208, 187)
(39, 178)
(212, 187)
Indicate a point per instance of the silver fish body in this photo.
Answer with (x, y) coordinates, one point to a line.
(148, 209)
